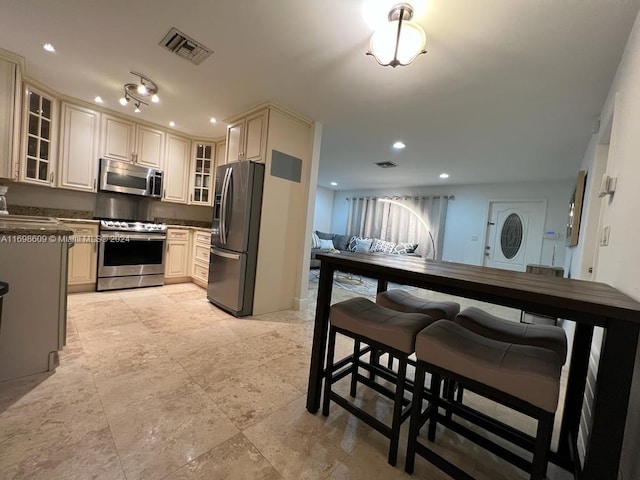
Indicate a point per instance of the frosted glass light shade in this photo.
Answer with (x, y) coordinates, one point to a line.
(411, 42)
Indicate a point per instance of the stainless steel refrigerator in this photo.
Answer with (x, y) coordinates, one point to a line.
(234, 236)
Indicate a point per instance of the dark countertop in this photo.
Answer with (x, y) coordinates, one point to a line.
(24, 226)
(4, 288)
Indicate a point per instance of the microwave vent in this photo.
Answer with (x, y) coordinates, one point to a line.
(184, 46)
(386, 164)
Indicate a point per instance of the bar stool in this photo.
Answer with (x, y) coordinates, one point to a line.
(403, 301)
(381, 329)
(522, 377)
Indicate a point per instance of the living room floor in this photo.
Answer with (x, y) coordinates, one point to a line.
(157, 383)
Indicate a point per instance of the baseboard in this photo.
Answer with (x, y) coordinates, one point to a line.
(85, 287)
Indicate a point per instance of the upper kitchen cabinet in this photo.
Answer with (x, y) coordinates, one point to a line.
(221, 151)
(247, 138)
(176, 171)
(202, 171)
(78, 159)
(9, 118)
(39, 133)
(129, 142)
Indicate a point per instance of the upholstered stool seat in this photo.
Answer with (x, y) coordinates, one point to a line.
(544, 336)
(403, 301)
(523, 377)
(383, 330)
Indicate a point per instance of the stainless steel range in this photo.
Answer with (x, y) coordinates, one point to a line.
(131, 254)
(132, 247)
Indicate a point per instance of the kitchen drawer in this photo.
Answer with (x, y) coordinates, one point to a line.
(200, 272)
(202, 253)
(177, 234)
(203, 238)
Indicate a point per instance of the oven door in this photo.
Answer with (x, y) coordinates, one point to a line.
(124, 254)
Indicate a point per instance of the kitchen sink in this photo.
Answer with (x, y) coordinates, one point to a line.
(28, 219)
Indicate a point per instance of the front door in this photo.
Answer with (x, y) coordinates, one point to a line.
(514, 234)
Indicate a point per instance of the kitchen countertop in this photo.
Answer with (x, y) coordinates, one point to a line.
(21, 226)
(79, 220)
(189, 227)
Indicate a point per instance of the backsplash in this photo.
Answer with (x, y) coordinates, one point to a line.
(182, 222)
(50, 212)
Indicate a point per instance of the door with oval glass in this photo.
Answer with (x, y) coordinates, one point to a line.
(514, 234)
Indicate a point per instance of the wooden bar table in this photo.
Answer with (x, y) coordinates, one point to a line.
(588, 304)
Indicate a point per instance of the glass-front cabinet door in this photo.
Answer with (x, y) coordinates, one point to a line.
(39, 149)
(203, 168)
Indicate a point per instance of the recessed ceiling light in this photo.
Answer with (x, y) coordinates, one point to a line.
(98, 99)
(444, 175)
(49, 48)
(399, 145)
(172, 124)
(212, 120)
(334, 184)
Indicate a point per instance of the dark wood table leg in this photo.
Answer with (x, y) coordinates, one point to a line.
(382, 286)
(610, 405)
(579, 366)
(318, 349)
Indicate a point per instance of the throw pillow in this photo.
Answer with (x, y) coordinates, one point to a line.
(341, 242)
(315, 241)
(352, 243)
(324, 236)
(363, 245)
(383, 246)
(405, 248)
(326, 244)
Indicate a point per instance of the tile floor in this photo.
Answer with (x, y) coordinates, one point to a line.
(157, 383)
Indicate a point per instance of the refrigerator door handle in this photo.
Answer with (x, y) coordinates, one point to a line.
(232, 256)
(223, 207)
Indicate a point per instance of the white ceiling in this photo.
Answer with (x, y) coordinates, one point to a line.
(509, 90)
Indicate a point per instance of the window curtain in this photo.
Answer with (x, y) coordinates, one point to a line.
(369, 217)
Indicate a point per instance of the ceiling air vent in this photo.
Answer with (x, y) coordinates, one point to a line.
(184, 46)
(386, 164)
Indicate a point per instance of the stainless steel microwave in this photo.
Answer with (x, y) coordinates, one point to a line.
(123, 177)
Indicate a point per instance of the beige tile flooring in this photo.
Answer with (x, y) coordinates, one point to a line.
(157, 383)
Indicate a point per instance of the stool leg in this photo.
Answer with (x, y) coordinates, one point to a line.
(449, 393)
(397, 411)
(416, 411)
(354, 368)
(542, 445)
(436, 381)
(374, 360)
(328, 377)
(460, 393)
(390, 361)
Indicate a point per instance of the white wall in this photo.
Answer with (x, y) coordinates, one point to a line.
(323, 210)
(618, 264)
(467, 214)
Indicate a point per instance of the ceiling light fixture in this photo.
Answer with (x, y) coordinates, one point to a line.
(334, 184)
(49, 48)
(399, 145)
(212, 120)
(98, 99)
(444, 175)
(172, 124)
(143, 92)
(399, 41)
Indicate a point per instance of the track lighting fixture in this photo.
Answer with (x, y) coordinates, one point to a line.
(143, 92)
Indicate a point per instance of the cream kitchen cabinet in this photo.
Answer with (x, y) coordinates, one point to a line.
(83, 257)
(130, 142)
(39, 134)
(9, 118)
(176, 171)
(247, 138)
(201, 248)
(221, 152)
(203, 167)
(177, 265)
(78, 158)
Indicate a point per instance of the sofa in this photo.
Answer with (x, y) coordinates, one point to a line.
(325, 242)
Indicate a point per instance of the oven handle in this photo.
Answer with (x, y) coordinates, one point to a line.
(134, 236)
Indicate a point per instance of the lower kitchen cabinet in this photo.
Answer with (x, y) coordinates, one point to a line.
(176, 265)
(83, 257)
(201, 246)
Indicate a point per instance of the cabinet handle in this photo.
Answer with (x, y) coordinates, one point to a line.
(191, 198)
(95, 181)
(95, 246)
(51, 178)
(164, 193)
